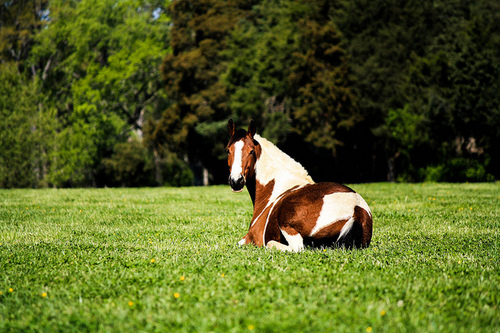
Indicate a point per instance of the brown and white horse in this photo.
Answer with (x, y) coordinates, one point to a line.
(290, 209)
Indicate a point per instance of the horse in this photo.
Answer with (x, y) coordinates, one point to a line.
(290, 210)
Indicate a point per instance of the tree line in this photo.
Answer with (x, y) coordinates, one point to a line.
(138, 92)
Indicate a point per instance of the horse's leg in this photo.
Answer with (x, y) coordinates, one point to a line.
(245, 240)
(277, 245)
(294, 239)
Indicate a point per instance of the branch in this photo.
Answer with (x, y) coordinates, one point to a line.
(46, 69)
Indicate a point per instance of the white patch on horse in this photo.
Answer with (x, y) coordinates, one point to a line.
(337, 207)
(242, 242)
(277, 245)
(237, 168)
(274, 164)
(295, 242)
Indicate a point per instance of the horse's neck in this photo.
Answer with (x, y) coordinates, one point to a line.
(251, 189)
(265, 190)
(259, 194)
(270, 190)
(264, 195)
(276, 169)
(275, 173)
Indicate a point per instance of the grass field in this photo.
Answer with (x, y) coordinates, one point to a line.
(166, 259)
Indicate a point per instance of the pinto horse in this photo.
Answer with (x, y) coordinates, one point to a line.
(290, 209)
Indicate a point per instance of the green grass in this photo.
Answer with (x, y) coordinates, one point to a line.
(82, 260)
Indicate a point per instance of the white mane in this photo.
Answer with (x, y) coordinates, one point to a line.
(275, 164)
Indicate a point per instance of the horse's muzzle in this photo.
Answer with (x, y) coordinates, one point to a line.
(237, 185)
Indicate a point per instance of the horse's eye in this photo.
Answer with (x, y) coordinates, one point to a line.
(227, 150)
(252, 152)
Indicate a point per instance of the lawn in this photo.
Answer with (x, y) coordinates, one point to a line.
(166, 259)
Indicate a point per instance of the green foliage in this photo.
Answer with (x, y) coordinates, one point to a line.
(176, 172)
(259, 53)
(191, 74)
(364, 90)
(95, 72)
(105, 55)
(438, 58)
(116, 260)
(324, 103)
(286, 71)
(278, 63)
(457, 170)
(27, 130)
(130, 165)
(19, 22)
(404, 126)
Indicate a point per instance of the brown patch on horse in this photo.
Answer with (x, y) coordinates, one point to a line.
(330, 232)
(265, 192)
(362, 229)
(256, 230)
(300, 209)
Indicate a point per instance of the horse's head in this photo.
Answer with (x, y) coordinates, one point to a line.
(243, 152)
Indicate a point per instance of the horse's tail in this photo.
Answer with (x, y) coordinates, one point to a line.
(357, 231)
(346, 229)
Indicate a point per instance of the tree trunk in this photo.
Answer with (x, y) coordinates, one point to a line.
(158, 171)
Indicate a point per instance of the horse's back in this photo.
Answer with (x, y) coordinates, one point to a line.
(325, 214)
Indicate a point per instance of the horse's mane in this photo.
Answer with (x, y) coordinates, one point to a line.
(277, 159)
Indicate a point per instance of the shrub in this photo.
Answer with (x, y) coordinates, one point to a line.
(456, 170)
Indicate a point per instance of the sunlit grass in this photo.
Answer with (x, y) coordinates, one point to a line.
(166, 259)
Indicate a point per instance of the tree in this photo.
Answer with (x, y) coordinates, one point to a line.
(288, 72)
(192, 126)
(455, 86)
(434, 59)
(19, 23)
(259, 57)
(26, 125)
(324, 105)
(27, 130)
(99, 65)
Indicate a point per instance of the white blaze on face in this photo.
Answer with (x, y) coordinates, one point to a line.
(237, 168)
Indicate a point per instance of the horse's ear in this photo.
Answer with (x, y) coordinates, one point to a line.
(252, 128)
(230, 127)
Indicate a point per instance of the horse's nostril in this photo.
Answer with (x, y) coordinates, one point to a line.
(238, 184)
